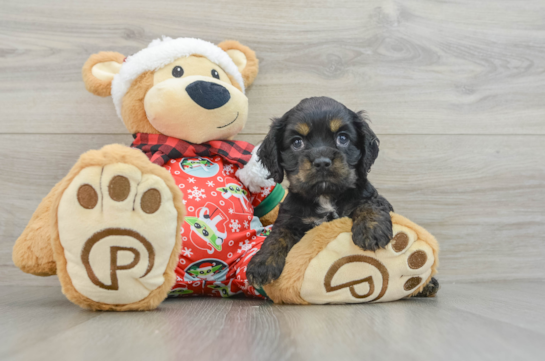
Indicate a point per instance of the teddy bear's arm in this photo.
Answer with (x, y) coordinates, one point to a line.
(32, 251)
(270, 217)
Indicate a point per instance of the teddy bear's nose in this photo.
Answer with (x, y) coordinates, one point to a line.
(208, 95)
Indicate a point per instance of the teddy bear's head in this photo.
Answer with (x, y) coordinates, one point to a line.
(184, 88)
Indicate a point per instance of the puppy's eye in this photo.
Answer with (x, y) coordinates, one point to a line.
(177, 72)
(215, 74)
(342, 140)
(297, 144)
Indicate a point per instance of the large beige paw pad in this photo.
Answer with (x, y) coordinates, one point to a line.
(344, 273)
(118, 229)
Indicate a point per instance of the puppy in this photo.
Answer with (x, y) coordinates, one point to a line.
(326, 151)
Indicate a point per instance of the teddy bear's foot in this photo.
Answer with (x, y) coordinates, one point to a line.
(326, 266)
(118, 231)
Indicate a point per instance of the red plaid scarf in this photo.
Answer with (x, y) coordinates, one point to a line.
(161, 148)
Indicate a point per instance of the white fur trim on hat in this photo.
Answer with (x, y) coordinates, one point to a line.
(161, 52)
(253, 175)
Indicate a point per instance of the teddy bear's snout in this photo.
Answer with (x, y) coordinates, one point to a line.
(207, 94)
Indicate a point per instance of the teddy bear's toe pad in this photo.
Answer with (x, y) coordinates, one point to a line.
(117, 227)
(344, 273)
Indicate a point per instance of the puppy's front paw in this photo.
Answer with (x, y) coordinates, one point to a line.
(370, 235)
(264, 270)
(430, 290)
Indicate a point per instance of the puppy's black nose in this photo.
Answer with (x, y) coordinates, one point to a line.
(322, 163)
(208, 95)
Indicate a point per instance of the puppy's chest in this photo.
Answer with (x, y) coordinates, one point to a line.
(324, 210)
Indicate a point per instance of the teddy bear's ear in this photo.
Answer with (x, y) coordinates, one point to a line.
(99, 71)
(244, 59)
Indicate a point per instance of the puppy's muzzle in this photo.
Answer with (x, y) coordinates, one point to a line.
(322, 159)
(207, 94)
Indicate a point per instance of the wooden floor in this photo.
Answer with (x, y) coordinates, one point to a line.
(456, 93)
(478, 321)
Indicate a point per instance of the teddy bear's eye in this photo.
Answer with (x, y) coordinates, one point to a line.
(215, 74)
(177, 72)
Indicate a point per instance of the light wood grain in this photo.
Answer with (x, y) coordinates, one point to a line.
(417, 66)
(454, 89)
(481, 196)
(505, 322)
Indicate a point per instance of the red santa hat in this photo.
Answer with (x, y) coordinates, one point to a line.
(254, 175)
(161, 52)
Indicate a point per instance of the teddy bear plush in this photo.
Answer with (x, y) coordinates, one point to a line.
(185, 208)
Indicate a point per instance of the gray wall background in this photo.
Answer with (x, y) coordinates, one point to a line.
(455, 91)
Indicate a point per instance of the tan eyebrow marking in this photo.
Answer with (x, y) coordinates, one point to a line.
(335, 124)
(302, 128)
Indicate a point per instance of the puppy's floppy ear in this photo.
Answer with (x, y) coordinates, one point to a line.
(99, 71)
(244, 58)
(368, 144)
(269, 150)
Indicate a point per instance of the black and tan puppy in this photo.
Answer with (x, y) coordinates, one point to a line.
(326, 151)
